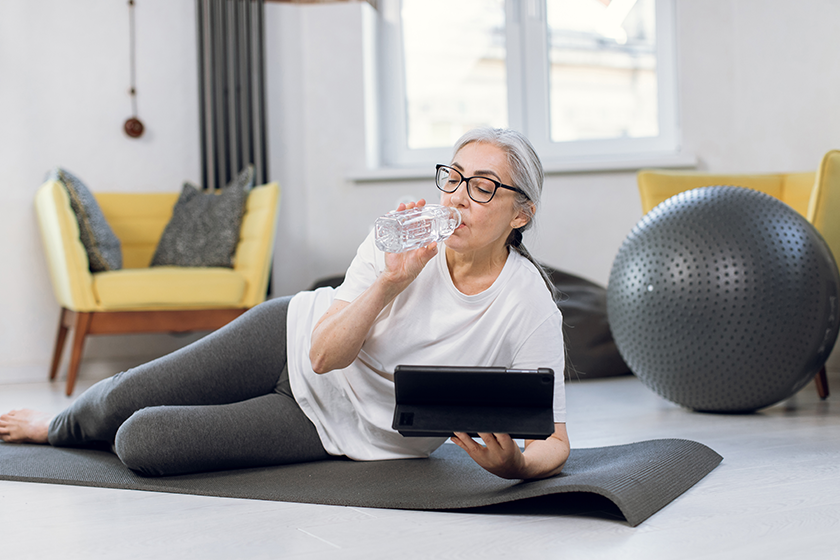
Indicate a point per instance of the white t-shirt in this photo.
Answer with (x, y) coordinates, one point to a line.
(514, 323)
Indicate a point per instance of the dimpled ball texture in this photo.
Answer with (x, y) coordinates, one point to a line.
(724, 299)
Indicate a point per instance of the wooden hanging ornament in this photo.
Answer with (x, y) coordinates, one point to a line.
(133, 127)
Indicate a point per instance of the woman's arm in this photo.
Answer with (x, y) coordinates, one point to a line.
(501, 455)
(339, 335)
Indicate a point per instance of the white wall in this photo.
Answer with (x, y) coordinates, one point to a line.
(759, 82)
(316, 103)
(757, 85)
(64, 80)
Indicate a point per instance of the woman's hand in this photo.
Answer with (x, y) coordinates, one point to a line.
(402, 268)
(501, 456)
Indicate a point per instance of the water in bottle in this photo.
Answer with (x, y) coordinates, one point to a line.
(396, 232)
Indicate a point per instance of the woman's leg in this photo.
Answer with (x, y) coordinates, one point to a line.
(266, 430)
(238, 362)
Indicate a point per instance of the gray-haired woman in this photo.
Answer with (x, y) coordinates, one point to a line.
(311, 376)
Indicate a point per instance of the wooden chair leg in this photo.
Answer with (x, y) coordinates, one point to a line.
(64, 321)
(821, 380)
(81, 328)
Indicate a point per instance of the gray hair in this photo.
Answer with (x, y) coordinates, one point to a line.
(526, 172)
(526, 169)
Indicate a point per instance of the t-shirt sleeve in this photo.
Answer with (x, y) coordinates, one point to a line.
(366, 266)
(545, 348)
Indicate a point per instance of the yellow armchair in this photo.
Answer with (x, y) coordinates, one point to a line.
(139, 298)
(815, 195)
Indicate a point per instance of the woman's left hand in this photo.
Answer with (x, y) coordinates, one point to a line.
(499, 455)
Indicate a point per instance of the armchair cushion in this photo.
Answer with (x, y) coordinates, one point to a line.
(163, 287)
(101, 244)
(204, 229)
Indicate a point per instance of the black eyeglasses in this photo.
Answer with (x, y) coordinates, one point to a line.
(480, 189)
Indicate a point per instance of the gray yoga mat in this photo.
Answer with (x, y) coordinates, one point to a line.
(639, 478)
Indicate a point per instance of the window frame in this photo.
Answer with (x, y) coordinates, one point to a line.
(528, 96)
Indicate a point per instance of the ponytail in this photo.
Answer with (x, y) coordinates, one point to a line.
(514, 241)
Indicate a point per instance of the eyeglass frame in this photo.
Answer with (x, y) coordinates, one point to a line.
(498, 184)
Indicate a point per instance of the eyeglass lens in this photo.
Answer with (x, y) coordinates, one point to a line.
(478, 188)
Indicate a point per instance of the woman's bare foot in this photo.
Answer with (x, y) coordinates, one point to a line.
(24, 426)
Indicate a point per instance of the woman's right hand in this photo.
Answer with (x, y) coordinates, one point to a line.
(402, 268)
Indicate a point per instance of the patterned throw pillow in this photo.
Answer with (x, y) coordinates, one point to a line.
(102, 245)
(204, 229)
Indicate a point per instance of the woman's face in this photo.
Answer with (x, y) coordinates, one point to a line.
(483, 226)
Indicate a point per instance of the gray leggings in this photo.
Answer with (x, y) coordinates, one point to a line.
(222, 402)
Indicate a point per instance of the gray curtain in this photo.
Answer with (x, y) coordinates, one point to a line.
(231, 73)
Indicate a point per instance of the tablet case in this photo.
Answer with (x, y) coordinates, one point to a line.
(439, 400)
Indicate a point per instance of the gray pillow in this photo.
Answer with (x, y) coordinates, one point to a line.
(204, 228)
(103, 247)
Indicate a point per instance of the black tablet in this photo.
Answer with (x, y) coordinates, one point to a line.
(439, 400)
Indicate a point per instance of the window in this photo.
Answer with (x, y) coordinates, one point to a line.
(585, 80)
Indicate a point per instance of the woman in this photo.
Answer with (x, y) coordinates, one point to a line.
(303, 378)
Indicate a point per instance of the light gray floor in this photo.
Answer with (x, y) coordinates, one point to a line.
(776, 495)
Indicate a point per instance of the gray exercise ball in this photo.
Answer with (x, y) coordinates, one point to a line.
(724, 299)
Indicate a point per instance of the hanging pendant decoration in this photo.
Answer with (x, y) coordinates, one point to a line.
(133, 127)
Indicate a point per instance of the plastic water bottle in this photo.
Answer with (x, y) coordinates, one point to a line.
(396, 232)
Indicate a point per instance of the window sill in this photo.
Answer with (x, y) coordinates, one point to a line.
(555, 167)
